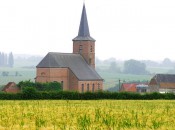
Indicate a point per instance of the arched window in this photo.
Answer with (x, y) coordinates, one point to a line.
(62, 83)
(90, 61)
(98, 86)
(93, 87)
(91, 48)
(80, 48)
(43, 73)
(82, 87)
(88, 87)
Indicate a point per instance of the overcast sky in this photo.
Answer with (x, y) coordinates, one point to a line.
(123, 29)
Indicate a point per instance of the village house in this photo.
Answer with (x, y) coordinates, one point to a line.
(75, 71)
(134, 87)
(11, 88)
(162, 83)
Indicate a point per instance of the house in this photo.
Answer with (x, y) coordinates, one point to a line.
(162, 83)
(128, 87)
(11, 88)
(142, 88)
(134, 87)
(75, 71)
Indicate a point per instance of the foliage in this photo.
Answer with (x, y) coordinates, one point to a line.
(31, 93)
(134, 67)
(49, 86)
(113, 68)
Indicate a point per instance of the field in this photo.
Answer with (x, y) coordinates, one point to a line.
(87, 115)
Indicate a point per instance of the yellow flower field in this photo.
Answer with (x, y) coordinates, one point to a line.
(87, 115)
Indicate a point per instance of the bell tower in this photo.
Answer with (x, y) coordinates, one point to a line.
(84, 44)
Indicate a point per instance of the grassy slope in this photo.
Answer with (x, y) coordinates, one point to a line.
(110, 79)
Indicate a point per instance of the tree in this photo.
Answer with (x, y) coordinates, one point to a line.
(167, 63)
(134, 67)
(114, 68)
(10, 60)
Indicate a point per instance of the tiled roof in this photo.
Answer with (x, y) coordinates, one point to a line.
(129, 87)
(169, 78)
(75, 62)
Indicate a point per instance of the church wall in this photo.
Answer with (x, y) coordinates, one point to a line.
(73, 82)
(87, 50)
(53, 74)
(83, 86)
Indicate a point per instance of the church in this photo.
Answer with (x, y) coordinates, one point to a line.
(75, 71)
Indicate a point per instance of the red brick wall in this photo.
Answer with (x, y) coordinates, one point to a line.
(98, 85)
(70, 81)
(73, 81)
(88, 51)
(53, 74)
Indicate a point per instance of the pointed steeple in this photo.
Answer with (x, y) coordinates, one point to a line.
(83, 34)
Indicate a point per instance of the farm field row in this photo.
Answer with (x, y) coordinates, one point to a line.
(81, 115)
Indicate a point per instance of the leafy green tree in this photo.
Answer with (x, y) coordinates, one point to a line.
(134, 67)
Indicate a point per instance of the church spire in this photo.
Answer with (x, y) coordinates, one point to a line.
(83, 34)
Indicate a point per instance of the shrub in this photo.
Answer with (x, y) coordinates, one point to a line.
(49, 86)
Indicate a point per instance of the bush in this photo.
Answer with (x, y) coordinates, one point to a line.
(50, 86)
(31, 93)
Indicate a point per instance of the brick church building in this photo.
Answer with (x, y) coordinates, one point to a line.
(75, 71)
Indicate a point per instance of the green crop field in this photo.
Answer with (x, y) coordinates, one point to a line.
(87, 115)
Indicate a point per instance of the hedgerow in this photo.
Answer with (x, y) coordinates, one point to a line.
(31, 94)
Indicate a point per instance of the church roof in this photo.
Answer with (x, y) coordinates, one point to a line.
(75, 62)
(83, 34)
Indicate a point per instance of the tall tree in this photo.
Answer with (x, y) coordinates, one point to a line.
(134, 67)
(11, 60)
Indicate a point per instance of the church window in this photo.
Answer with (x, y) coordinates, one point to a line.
(98, 86)
(90, 61)
(43, 73)
(91, 48)
(80, 48)
(62, 83)
(82, 87)
(93, 87)
(88, 87)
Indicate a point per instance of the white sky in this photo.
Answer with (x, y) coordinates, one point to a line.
(123, 29)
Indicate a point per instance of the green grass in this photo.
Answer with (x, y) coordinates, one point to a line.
(26, 74)
(160, 70)
(111, 79)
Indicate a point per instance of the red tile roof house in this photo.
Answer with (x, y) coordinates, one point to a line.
(134, 87)
(11, 88)
(128, 87)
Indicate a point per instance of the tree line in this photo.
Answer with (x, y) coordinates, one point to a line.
(6, 60)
